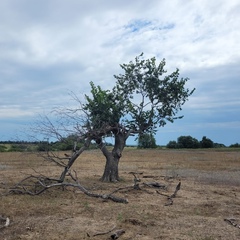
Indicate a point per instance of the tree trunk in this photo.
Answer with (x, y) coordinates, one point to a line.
(112, 158)
(111, 169)
(73, 159)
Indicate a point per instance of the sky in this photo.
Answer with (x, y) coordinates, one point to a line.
(50, 48)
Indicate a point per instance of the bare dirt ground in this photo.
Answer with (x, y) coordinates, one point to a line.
(210, 192)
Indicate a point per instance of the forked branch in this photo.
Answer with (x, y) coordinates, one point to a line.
(35, 185)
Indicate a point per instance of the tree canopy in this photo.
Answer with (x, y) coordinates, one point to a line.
(143, 98)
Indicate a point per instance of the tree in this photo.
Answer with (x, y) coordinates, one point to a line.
(172, 144)
(206, 142)
(146, 140)
(144, 98)
(187, 142)
(235, 145)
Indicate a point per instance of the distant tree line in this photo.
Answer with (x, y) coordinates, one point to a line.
(65, 144)
(191, 142)
(144, 141)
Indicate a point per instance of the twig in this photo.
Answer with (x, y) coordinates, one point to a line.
(170, 198)
(176, 190)
(232, 221)
(103, 233)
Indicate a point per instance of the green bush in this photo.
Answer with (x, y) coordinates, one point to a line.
(206, 143)
(3, 148)
(172, 144)
(235, 145)
(190, 142)
(146, 141)
(187, 142)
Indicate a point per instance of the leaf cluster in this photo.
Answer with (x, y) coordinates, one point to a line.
(104, 107)
(143, 98)
(151, 96)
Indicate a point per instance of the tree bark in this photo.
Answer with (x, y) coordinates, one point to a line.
(73, 159)
(111, 173)
(111, 170)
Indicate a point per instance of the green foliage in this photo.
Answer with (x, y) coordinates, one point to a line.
(187, 142)
(146, 140)
(151, 96)
(143, 98)
(3, 148)
(235, 145)
(43, 146)
(190, 142)
(66, 144)
(105, 108)
(172, 144)
(22, 147)
(206, 143)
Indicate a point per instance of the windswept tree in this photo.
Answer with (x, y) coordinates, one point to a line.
(144, 98)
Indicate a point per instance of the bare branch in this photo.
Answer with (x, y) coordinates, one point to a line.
(35, 185)
(170, 198)
(103, 233)
(232, 221)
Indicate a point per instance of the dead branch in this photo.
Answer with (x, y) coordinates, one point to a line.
(163, 194)
(35, 185)
(176, 190)
(117, 234)
(232, 221)
(136, 181)
(155, 185)
(170, 198)
(4, 222)
(103, 233)
(73, 158)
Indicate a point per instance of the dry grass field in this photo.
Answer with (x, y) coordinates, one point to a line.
(210, 193)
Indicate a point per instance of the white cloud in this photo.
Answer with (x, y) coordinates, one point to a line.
(49, 48)
(16, 112)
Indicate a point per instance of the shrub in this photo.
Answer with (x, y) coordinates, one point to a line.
(3, 148)
(187, 142)
(146, 141)
(172, 144)
(235, 145)
(206, 142)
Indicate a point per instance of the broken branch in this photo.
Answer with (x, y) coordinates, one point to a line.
(34, 185)
(103, 233)
(4, 222)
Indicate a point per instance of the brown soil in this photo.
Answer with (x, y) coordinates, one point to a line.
(210, 192)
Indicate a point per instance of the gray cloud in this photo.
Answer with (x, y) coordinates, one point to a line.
(49, 48)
